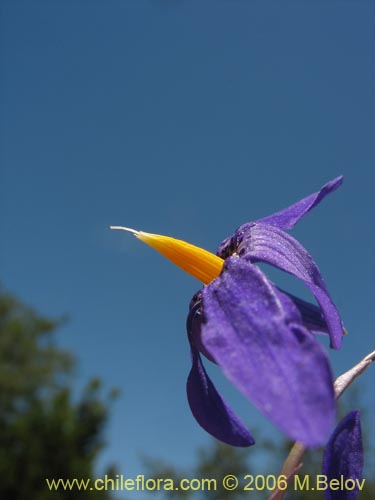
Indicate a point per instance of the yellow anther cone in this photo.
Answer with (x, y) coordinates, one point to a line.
(203, 265)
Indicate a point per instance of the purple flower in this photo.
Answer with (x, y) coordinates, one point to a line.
(266, 241)
(343, 459)
(260, 336)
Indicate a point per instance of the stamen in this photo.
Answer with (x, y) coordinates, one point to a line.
(203, 265)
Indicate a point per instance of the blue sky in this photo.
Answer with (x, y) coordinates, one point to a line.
(185, 119)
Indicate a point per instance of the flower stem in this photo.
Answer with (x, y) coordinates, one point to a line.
(293, 461)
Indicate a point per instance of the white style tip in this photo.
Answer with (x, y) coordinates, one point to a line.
(129, 229)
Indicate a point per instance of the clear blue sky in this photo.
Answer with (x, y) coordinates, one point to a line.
(186, 119)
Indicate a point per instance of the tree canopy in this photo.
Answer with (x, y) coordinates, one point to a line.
(46, 429)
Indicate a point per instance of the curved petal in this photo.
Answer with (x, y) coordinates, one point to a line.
(269, 244)
(284, 219)
(343, 457)
(312, 316)
(277, 364)
(288, 217)
(211, 411)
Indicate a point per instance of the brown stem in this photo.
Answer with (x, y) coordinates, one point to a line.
(291, 465)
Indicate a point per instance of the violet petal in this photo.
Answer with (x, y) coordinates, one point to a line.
(278, 365)
(265, 243)
(288, 217)
(343, 456)
(210, 409)
(312, 316)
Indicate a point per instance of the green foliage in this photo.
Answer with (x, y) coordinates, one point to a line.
(44, 431)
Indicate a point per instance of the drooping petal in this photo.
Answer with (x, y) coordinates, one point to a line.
(288, 217)
(343, 456)
(206, 404)
(265, 243)
(210, 409)
(312, 316)
(277, 364)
